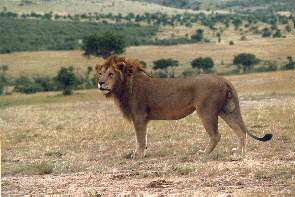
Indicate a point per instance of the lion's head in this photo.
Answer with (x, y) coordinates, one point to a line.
(112, 75)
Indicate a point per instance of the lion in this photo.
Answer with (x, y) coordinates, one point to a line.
(143, 98)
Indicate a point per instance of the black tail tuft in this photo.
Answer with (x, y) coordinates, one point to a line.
(266, 137)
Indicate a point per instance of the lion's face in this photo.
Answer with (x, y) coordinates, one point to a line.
(108, 78)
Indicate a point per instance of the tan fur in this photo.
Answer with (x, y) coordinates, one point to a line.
(142, 98)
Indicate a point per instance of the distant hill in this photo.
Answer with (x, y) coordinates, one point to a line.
(72, 7)
(280, 5)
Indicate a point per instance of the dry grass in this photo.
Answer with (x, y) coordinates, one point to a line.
(79, 7)
(82, 141)
(48, 62)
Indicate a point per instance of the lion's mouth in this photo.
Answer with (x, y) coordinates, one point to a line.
(105, 90)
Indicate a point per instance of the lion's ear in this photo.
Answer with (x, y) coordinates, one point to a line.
(122, 66)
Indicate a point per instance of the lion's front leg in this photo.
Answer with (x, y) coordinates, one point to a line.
(141, 138)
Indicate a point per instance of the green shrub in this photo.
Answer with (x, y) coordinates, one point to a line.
(104, 45)
(266, 32)
(47, 83)
(277, 34)
(27, 85)
(30, 88)
(266, 68)
(198, 36)
(206, 64)
(67, 80)
(4, 80)
(247, 60)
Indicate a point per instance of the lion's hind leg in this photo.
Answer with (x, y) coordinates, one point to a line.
(235, 122)
(210, 122)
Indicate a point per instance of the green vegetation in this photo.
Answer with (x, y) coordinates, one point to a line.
(247, 61)
(105, 45)
(4, 81)
(291, 63)
(51, 31)
(266, 4)
(34, 35)
(198, 36)
(188, 4)
(205, 64)
(229, 4)
(67, 80)
(164, 65)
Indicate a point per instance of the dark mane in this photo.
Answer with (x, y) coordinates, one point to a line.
(124, 89)
(133, 65)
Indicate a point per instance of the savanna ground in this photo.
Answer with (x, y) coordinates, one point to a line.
(78, 145)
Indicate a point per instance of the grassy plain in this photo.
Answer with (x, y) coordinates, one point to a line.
(78, 145)
(48, 62)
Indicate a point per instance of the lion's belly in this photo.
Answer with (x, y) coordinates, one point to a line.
(171, 114)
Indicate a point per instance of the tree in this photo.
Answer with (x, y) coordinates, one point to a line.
(205, 64)
(291, 63)
(163, 64)
(219, 36)
(266, 32)
(277, 34)
(237, 22)
(198, 36)
(105, 44)
(67, 80)
(4, 81)
(27, 85)
(247, 60)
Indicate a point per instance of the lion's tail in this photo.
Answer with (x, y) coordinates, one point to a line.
(265, 138)
(234, 108)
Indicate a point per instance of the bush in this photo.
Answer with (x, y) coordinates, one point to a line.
(266, 32)
(266, 68)
(4, 81)
(243, 38)
(164, 64)
(198, 36)
(67, 80)
(277, 34)
(30, 88)
(247, 60)
(105, 44)
(47, 83)
(206, 64)
(290, 65)
(27, 85)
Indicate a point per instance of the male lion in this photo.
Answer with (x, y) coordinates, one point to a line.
(142, 98)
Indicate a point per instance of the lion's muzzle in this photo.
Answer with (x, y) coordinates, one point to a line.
(101, 87)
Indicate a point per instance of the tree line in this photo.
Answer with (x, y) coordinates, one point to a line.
(66, 80)
(35, 35)
(22, 33)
